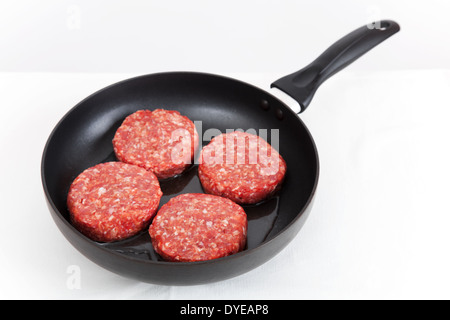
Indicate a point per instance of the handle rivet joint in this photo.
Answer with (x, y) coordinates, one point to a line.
(279, 114)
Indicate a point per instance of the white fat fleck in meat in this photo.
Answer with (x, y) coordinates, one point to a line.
(101, 191)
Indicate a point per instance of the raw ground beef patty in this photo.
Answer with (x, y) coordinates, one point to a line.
(242, 167)
(161, 141)
(198, 227)
(113, 201)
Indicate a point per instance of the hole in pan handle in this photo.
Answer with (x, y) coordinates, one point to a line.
(302, 84)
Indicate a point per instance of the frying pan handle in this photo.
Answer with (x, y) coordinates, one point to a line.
(302, 84)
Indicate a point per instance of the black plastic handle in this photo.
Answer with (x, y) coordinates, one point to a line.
(302, 84)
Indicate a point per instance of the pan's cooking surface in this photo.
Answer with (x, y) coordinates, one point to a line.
(84, 138)
(261, 217)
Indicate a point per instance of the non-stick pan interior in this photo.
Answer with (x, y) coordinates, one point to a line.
(84, 136)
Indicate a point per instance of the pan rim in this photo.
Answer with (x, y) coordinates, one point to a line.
(238, 255)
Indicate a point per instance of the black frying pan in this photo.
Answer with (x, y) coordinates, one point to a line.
(83, 138)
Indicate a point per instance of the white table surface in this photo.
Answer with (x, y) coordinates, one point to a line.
(379, 227)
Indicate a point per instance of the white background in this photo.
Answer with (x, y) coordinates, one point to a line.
(380, 224)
